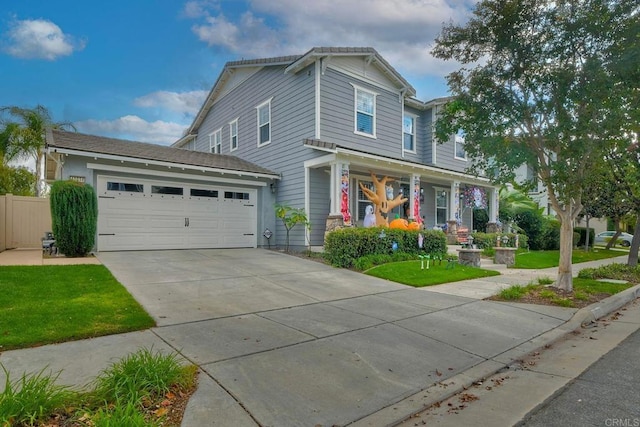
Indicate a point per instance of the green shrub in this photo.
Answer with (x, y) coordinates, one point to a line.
(74, 217)
(532, 224)
(612, 271)
(343, 247)
(583, 235)
(549, 240)
(32, 398)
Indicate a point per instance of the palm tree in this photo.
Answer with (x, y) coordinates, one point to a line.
(23, 135)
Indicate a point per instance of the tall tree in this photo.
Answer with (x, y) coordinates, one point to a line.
(22, 135)
(535, 88)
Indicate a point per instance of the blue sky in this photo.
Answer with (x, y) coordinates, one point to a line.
(139, 69)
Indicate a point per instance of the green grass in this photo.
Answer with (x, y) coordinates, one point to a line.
(49, 304)
(134, 391)
(582, 289)
(409, 273)
(546, 259)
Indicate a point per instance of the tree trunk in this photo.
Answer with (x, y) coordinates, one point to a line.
(586, 237)
(635, 244)
(610, 243)
(565, 274)
(39, 178)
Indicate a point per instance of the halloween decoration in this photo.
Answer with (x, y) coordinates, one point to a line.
(380, 200)
(369, 218)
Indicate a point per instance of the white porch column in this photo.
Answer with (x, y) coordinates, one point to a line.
(334, 190)
(344, 189)
(454, 201)
(494, 205)
(414, 199)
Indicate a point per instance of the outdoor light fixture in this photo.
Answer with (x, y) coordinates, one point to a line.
(505, 240)
(273, 187)
(267, 234)
(422, 195)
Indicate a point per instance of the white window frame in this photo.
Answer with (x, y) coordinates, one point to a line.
(233, 135)
(373, 115)
(457, 137)
(266, 104)
(446, 207)
(414, 121)
(215, 141)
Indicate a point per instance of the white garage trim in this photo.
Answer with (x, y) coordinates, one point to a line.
(139, 214)
(178, 175)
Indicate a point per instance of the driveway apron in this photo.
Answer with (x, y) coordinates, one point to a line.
(285, 341)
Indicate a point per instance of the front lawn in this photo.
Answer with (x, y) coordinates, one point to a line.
(546, 259)
(49, 304)
(410, 273)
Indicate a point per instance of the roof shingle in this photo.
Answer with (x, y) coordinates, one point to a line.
(153, 152)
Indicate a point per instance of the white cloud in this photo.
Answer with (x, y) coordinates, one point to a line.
(134, 128)
(403, 31)
(39, 39)
(187, 103)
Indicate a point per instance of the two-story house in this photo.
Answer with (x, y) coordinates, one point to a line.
(312, 130)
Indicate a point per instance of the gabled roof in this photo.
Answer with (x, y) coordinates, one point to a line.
(79, 143)
(294, 64)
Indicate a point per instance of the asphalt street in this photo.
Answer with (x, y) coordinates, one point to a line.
(606, 394)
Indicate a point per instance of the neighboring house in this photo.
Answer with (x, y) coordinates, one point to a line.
(303, 131)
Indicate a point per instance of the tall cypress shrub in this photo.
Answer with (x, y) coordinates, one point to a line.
(74, 217)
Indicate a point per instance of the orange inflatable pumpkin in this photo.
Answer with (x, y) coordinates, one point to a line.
(399, 223)
(414, 226)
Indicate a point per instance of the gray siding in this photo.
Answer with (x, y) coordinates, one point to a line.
(445, 157)
(425, 137)
(337, 116)
(292, 120)
(320, 203)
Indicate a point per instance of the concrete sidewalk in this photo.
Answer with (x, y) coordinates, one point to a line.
(287, 341)
(35, 257)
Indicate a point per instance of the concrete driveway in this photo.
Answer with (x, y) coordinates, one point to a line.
(284, 341)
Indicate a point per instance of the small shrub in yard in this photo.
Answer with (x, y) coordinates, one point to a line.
(141, 375)
(136, 391)
(612, 271)
(513, 292)
(545, 280)
(74, 217)
(32, 398)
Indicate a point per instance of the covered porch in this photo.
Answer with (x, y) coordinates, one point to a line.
(434, 197)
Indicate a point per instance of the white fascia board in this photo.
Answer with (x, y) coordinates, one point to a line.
(160, 163)
(414, 166)
(320, 161)
(155, 173)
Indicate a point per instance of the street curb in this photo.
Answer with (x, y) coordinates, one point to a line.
(418, 402)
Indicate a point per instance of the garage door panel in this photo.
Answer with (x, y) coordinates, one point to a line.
(145, 220)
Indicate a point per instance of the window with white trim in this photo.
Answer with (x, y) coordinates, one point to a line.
(458, 141)
(442, 206)
(365, 112)
(215, 142)
(409, 133)
(233, 135)
(264, 123)
(363, 200)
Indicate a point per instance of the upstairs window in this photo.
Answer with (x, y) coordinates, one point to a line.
(215, 142)
(264, 123)
(365, 116)
(458, 141)
(409, 133)
(233, 135)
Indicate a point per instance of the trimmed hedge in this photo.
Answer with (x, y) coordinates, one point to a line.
(344, 246)
(74, 217)
(583, 235)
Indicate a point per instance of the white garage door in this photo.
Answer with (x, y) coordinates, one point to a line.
(136, 214)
